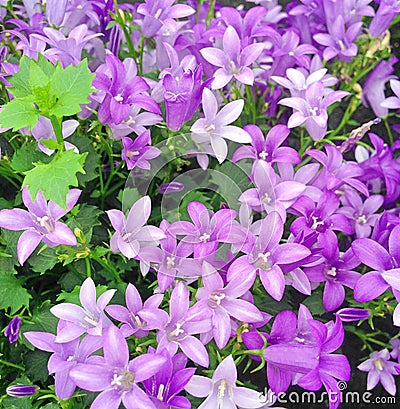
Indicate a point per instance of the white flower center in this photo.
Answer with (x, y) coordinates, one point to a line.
(161, 392)
(361, 219)
(215, 298)
(46, 222)
(209, 128)
(316, 223)
(378, 363)
(170, 262)
(158, 14)
(123, 382)
(263, 155)
(204, 238)
(119, 98)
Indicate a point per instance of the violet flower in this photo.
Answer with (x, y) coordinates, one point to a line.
(221, 391)
(232, 60)
(171, 379)
(138, 318)
(131, 233)
(18, 390)
(387, 11)
(373, 93)
(137, 153)
(268, 148)
(90, 318)
(117, 377)
(214, 128)
(65, 356)
(312, 109)
(393, 102)
(55, 11)
(353, 314)
(40, 223)
(223, 302)
(380, 369)
(12, 329)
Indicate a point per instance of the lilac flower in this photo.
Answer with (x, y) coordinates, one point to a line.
(373, 94)
(131, 232)
(395, 344)
(353, 314)
(339, 42)
(32, 47)
(156, 12)
(12, 329)
(387, 11)
(137, 153)
(137, 318)
(55, 11)
(380, 369)
(170, 380)
(270, 194)
(232, 60)
(65, 356)
(178, 329)
(268, 257)
(223, 302)
(89, 318)
(213, 128)
(312, 109)
(386, 266)
(171, 187)
(393, 102)
(267, 149)
(43, 130)
(208, 229)
(221, 391)
(117, 377)
(40, 223)
(119, 88)
(361, 214)
(18, 390)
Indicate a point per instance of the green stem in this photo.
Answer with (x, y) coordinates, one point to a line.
(108, 267)
(2, 362)
(124, 27)
(389, 131)
(351, 108)
(58, 131)
(210, 13)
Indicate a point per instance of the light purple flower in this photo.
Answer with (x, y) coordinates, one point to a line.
(221, 391)
(12, 329)
(380, 369)
(116, 377)
(137, 152)
(55, 11)
(387, 11)
(393, 102)
(40, 223)
(232, 60)
(138, 318)
(131, 233)
(214, 129)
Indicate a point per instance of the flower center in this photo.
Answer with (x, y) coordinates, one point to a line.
(123, 382)
(90, 320)
(361, 219)
(170, 262)
(161, 392)
(378, 363)
(136, 321)
(46, 223)
(314, 111)
(267, 199)
(131, 154)
(215, 298)
(291, 53)
(209, 128)
(341, 45)
(317, 222)
(223, 389)
(331, 272)
(263, 261)
(177, 334)
(263, 155)
(158, 14)
(130, 121)
(119, 98)
(205, 238)
(233, 69)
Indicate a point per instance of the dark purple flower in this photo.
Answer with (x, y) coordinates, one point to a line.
(171, 187)
(17, 391)
(353, 314)
(12, 329)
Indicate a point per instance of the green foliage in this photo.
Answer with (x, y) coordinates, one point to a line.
(26, 156)
(18, 114)
(12, 294)
(56, 177)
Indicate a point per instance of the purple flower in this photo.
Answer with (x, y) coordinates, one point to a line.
(17, 391)
(117, 377)
(131, 233)
(171, 187)
(232, 60)
(353, 314)
(12, 329)
(90, 318)
(170, 380)
(268, 257)
(221, 391)
(223, 302)
(380, 369)
(271, 194)
(311, 110)
(395, 354)
(55, 11)
(393, 102)
(387, 11)
(40, 223)
(137, 153)
(65, 356)
(267, 148)
(213, 128)
(137, 318)
(178, 329)
(373, 94)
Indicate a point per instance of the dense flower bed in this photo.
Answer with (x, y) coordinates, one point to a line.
(190, 196)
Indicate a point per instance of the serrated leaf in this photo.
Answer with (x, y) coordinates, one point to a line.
(43, 319)
(37, 78)
(71, 86)
(19, 81)
(18, 114)
(43, 261)
(25, 157)
(56, 177)
(12, 294)
(47, 66)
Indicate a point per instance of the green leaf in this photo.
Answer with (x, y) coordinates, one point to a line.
(25, 157)
(43, 321)
(37, 78)
(44, 260)
(84, 144)
(47, 67)
(56, 177)
(36, 365)
(12, 294)
(18, 114)
(71, 86)
(73, 296)
(20, 81)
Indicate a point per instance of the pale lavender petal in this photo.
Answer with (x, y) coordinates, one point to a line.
(273, 281)
(214, 56)
(147, 365)
(195, 350)
(231, 43)
(27, 243)
(230, 112)
(199, 386)
(226, 370)
(110, 399)
(62, 235)
(93, 378)
(369, 286)
(15, 219)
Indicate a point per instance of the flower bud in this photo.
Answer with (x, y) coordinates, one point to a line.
(17, 391)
